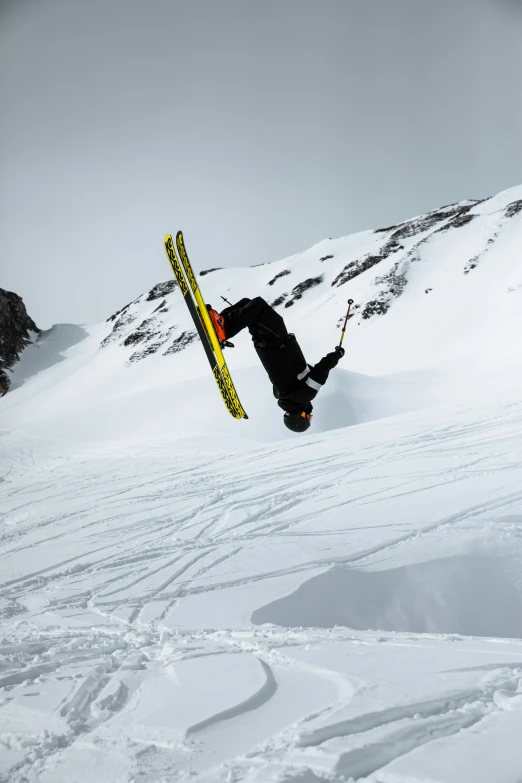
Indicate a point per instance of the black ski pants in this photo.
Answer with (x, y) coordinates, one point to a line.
(256, 315)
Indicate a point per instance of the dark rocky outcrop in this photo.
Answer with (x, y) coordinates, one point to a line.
(426, 222)
(360, 265)
(161, 289)
(386, 229)
(462, 219)
(117, 314)
(181, 342)
(300, 288)
(514, 208)
(122, 319)
(15, 325)
(472, 264)
(281, 274)
(394, 283)
(451, 217)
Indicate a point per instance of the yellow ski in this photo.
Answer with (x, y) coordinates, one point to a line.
(203, 325)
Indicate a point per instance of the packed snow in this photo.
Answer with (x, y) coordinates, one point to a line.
(190, 597)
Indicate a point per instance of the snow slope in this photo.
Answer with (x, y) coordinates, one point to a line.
(188, 597)
(445, 291)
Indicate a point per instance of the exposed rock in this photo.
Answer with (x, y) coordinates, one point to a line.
(472, 263)
(120, 312)
(143, 332)
(15, 325)
(375, 307)
(279, 300)
(146, 331)
(181, 342)
(281, 274)
(386, 229)
(311, 282)
(472, 202)
(454, 217)
(300, 288)
(355, 268)
(458, 221)
(135, 337)
(325, 258)
(514, 208)
(424, 223)
(153, 339)
(153, 342)
(395, 282)
(124, 319)
(161, 289)
(208, 271)
(162, 307)
(149, 335)
(411, 227)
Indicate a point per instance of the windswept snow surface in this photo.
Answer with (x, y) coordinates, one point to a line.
(135, 578)
(186, 597)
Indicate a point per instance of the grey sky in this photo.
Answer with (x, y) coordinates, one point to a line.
(258, 128)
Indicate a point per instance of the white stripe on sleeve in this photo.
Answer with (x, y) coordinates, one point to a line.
(303, 374)
(313, 384)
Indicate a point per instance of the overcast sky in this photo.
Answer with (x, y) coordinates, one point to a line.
(259, 128)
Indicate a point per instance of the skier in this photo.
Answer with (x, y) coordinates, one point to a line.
(295, 383)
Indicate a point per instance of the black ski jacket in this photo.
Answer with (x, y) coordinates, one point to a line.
(295, 383)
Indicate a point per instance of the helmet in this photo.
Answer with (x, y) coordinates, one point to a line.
(298, 422)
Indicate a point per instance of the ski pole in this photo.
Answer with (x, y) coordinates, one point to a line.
(226, 300)
(350, 303)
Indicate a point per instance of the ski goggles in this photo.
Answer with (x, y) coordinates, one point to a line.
(306, 415)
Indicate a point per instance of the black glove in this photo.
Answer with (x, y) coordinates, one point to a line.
(340, 350)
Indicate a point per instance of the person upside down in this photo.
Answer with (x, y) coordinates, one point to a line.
(295, 383)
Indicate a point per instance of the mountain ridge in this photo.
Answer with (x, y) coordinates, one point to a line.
(383, 258)
(437, 301)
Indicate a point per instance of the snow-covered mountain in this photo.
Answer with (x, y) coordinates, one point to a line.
(426, 273)
(190, 597)
(437, 307)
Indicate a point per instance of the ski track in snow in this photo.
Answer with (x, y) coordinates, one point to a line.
(119, 543)
(383, 559)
